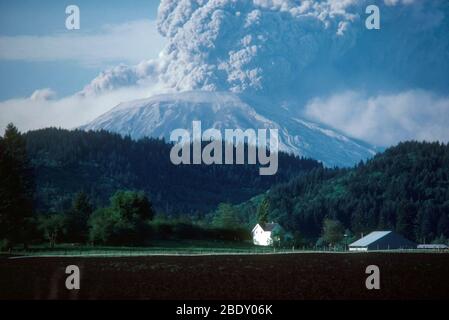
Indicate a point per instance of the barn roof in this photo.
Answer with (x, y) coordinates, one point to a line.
(370, 238)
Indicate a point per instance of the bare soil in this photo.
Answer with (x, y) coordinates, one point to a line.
(290, 276)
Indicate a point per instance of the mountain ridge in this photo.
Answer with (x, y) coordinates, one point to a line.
(157, 116)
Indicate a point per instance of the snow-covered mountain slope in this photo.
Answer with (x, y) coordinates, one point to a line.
(158, 116)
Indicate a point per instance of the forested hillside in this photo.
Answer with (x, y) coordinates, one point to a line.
(406, 189)
(100, 163)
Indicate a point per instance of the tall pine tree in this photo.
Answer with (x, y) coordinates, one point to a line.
(78, 217)
(16, 188)
(263, 211)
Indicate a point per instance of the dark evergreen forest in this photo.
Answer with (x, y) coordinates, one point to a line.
(100, 163)
(405, 188)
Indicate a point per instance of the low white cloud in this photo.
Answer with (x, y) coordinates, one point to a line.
(43, 94)
(385, 119)
(42, 110)
(130, 42)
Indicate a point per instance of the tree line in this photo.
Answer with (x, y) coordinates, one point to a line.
(128, 220)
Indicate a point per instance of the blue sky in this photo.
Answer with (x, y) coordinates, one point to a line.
(101, 22)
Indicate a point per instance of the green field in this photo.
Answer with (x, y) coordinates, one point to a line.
(168, 247)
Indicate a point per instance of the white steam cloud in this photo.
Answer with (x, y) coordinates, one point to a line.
(274, 47)
(242, 46)
(42, 110)
(385, 119)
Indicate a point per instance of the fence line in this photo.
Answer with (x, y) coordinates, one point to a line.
(194, 252)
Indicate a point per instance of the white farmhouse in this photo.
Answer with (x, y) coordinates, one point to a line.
(262, 233)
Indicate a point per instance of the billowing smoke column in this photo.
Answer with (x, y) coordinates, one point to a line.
(294, 48)
(242, 45)
(285, 46)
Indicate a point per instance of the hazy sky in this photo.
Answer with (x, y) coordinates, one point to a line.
(37, 51)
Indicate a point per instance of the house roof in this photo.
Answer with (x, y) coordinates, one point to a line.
(269, 226)
(370, 238)
(432, 246)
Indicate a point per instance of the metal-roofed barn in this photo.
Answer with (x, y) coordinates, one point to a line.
(382, 240)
